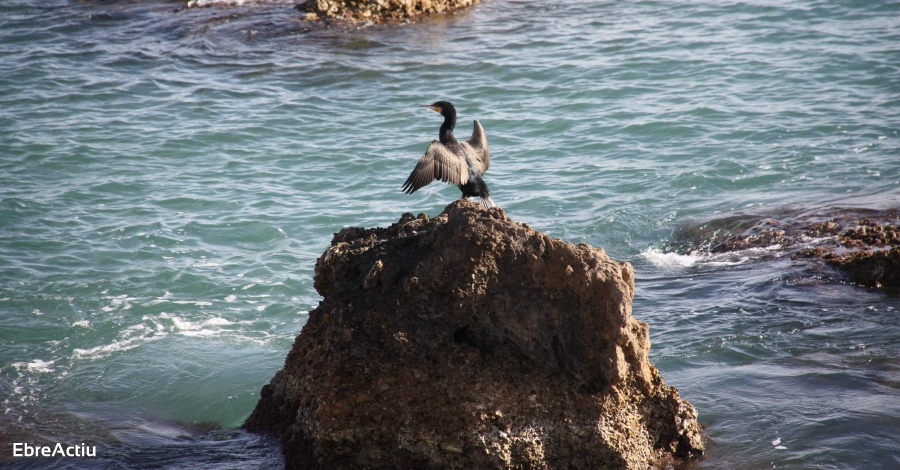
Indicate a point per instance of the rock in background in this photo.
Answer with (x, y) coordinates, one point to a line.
(869, 255)
(471, 341)
(379, 10)
(862, 244)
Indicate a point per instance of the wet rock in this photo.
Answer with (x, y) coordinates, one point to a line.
(870, 233)
(871, 268)
(470, 341)
(866, 268)
(378, 10)
(862, 257)
(765, 234)
(854, 241)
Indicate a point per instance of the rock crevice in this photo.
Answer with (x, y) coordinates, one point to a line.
(472, 341)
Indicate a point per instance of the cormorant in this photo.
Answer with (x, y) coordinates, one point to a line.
(452, 161)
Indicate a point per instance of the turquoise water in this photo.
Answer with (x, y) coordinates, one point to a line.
(168, 179)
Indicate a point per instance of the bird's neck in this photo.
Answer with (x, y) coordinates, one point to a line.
(446, 134)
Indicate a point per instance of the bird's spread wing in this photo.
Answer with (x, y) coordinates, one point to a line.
(479, 146)
(438, 163)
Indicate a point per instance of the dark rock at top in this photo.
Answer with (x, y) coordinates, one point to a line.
(470, 341)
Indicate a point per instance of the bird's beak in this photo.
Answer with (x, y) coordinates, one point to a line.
(436, 109)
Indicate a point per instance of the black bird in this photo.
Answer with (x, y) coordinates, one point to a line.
(452, 161)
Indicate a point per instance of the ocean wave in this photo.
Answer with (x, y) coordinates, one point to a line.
(129, 338)
(672, 260)
(36, 365)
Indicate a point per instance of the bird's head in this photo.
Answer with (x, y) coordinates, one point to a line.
(445, 108)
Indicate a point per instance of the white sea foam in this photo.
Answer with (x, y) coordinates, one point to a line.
(231, 298)
(207, 264)
(157, 326)
(129, 338)
(676, 260)
(102, 351)
(670, 260)
(206, 3)
(189, 328)
(809, 242)
(119, 302)
(207, 327)
(36, 365)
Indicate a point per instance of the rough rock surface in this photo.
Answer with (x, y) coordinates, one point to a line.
(470, 341)
(379, 10)
(864, 245)
(870, 255)
(867, 268)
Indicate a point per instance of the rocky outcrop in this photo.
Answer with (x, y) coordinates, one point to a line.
(470, 341)
(862, 244)
(379, 10)
(869, 255)
(869, 252)
(869, 268)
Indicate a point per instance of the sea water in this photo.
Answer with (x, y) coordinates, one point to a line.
(168, 177)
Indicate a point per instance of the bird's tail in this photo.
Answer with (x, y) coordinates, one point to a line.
(487, 202)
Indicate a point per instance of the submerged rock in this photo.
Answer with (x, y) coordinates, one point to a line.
(352, 11)
(379, 10)
(869, 268)
(869, 255)
(471, 341)
(864, 245)
(870, 265)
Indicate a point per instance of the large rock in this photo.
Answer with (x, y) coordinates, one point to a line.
(471, 341)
